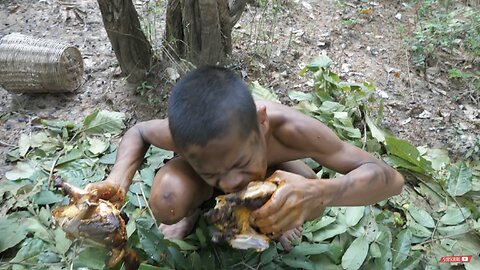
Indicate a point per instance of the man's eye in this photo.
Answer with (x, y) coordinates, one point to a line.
(243, 165)
(208, 176)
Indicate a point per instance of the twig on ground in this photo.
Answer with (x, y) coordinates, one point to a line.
(50, 174)
(7, 144)
(408, 72)
(148, 206)
(443, 237)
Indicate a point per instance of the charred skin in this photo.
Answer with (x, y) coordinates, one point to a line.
(88, 216)
(231, 216)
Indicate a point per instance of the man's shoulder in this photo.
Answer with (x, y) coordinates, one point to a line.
(156, 132)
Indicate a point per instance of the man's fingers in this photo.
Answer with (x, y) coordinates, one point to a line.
(273, 205)
(106, 191)
(276, 225)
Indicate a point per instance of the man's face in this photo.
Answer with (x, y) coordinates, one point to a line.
(230, 163)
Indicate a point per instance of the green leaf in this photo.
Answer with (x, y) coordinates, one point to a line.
(411, 262)
(184, 245)
(331, 107)
(195, 260)
(72, 155)
(454, 230)
(321, 61)
(13, 155)
(178, 260)
(44, 216)
(147, 175)
(304, 249)
(34, 226)
(353, 215)
(406, 151)
(329, 232)
(13, 187)
(77, 171)
(97, 146)
(49, 257)
(268, 255)
(300, 96)
(421, 216)
(355, 254)
(92, 257)
(377, 133)
(402, 163)
(12, 233)
(208, 259)
(438, 157)
(375, 250)
(261, 93)
(371, 230)
(23, 144)
(454, 216)
(357, 231)
(201, 237)
(459, 179)
(152, 241)
(46, 197)
(136, 199)
(468, 245)
(144, 266)
(385, 241)
(108, 159)
(43, 141)
(29, 250)
(100, 122)
(21, 170)
(298, 262)
(337, 248)
(317, 224)
(401, 246)
(156, 156)
(62, 243)
(418, 230)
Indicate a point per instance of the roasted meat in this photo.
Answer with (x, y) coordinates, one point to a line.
(231, 216)
(88, 216)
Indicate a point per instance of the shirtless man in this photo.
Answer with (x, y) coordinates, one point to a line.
(225, 140)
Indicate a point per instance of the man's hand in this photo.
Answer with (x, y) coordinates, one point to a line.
(108, 191)
(296, 200)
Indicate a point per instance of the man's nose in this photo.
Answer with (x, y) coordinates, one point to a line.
(230, 183)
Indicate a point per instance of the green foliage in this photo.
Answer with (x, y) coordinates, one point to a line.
(336, 103)
(448, 33)
(448, 29)
(436, 215)
(395, 236)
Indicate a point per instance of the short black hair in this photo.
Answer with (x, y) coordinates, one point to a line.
(204, 105)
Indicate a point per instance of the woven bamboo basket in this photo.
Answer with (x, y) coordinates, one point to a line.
(33, 65)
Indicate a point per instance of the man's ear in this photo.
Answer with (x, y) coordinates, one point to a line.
(262, 118)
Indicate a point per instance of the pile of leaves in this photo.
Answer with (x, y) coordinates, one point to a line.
(436, 215)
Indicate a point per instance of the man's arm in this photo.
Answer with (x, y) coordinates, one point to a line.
(366, 179)
(133, 147)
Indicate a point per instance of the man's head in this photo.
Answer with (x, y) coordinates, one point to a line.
(206, 104)
(213, 122)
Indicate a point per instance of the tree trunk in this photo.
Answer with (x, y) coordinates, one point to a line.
(200, 31)
(131, 47)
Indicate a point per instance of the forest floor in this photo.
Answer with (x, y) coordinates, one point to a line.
(272, 43)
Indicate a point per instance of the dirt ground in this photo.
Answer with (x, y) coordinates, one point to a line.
(366, 41)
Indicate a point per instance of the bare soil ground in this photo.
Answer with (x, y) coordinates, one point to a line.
(366, 41)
